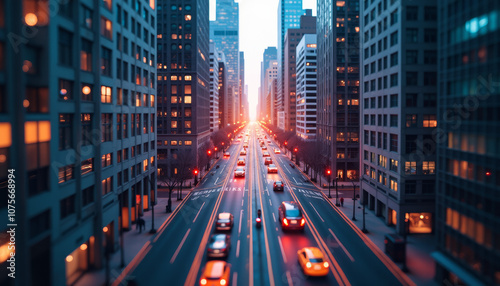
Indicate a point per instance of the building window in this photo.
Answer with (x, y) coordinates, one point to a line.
(394, 59)
(106, 160)
(67, 206)
(412, 13)
(65, 89)
(394, 183)
(430, 100)
(412, 35)
(411, 99)
(394, 100)
(105, 61)
(86, 92)
(393, 165)
(430, 120)
(37, 100)
(430, 35)
(66, 173)
(105, 94)
(428, 167)
(428, 186)
(394, 38)
(107, 185)
(87, 196)
(86, 121)
(106, 127)
(87, 166)
(86, 17)
(411, 168)
(394, 79)
(410, 187)
(394, 17)
(394, 143)
(430, 57)
(65, 51)
(65, 127)
(411, 57)
(411, 78)
(394, 120)
(86, 55)
(430, 78)
(106, 28)
(411, 120)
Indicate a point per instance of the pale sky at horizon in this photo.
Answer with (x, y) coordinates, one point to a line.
(256, 34)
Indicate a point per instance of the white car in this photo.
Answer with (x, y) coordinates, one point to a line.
(277, 151)
(243, 152)
(239, 172)
(272, 169)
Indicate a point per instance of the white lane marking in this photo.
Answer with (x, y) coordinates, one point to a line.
(241, 216)
(179, 247)
(235, 278)
(238, 249)
(341, 245)
(289, 278)
(223, 169)
(215, 183)
(270, 202)
(317, 212)
(242, 202)
(282, 250)
(198, 212)
(295, 181)
(274, 217)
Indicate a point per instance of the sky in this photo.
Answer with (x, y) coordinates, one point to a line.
(258, 30)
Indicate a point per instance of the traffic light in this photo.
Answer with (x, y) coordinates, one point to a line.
(215, 148)
(296, 150)
(328, 172)
(209, 152)
(195, 172)
(286, 143)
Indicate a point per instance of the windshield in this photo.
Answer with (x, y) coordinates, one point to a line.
(293, 213)
(316, 260)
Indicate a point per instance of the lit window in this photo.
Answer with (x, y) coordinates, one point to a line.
(173, 125)
(187, 99)
(430, 120)
(411, 168)
(105, 94)
(428, 167)
(187, 17)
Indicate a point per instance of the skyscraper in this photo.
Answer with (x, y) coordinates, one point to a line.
(243, 101)
(224, 31)
(289, 12)
(223, 91)
(292, 37)
(77, 125)
(214, 88)
(468, 173)
(269, 55)
(184, 96)
(399, 112)
(306, 87)
(338, 86)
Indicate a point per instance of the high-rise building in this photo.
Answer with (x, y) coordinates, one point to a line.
(306, 87)
(468, 175)
(269, 55)
(243, 102)
(77, 125)
(289, 13)
(399, 77)
(184, 93)
(214, 88)
(292, 37)
(338, 86)
(224, 31)
(271, 74)
(223, 92)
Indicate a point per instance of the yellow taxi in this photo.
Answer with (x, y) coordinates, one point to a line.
(216, 272)
(312, 261)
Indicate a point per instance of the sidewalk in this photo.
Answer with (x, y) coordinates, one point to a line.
(133, 240)
(419, 261)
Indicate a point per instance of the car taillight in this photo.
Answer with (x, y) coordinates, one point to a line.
(308, 264)
(223, 281)
(325, 264)
(203, 281)
(258, 219)
(285, 221)
(302, 222)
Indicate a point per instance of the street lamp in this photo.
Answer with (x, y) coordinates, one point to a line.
(329, 176)
(215, 150)
(209, 152)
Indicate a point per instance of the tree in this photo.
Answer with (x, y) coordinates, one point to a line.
(184, 168)
(169, 180)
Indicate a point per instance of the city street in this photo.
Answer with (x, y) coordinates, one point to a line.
(266, 255)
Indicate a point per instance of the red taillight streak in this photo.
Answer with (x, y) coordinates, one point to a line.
(285, 221)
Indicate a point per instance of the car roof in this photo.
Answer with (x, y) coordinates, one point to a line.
(224, 215)
(291, 205)
(214, 269)
(312, 252)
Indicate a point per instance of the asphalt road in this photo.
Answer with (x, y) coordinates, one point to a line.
(266, 255)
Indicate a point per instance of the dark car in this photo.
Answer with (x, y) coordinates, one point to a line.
(290, 216)
(278, 186)
(219, 245)
(224, 221)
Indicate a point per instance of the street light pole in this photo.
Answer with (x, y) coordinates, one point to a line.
(353, 201)
(406, 226)
(336, 192)
(153, 230)
(364, 230)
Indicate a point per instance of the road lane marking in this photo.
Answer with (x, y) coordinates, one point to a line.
(341, 245)
(282, 250)
(238, 249)
(235, 278)
(295, 180)
(317, 212)
(242, 202)
(215, 183)
(179, 247)
(289, 278)
(270, 202)
(241, 216)
(198, 212)
(274, 217)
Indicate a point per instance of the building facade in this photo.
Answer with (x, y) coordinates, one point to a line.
(77, 118)
(399, 81)
(271, 74)
(242, 100)
(224, 31)
(184, 92)
(468, 174)
(214, 88)
(338, 86)
(292, 37)
(306, 87)
(270, 53)
(223, 92)
(289, 12)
